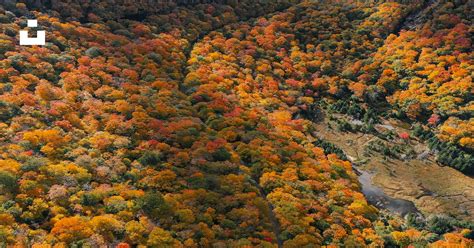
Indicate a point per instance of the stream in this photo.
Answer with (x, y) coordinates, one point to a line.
(376, 197)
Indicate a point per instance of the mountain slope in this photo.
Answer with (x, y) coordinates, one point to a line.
(189, 126)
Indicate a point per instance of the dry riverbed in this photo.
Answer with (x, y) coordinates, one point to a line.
(433, 189)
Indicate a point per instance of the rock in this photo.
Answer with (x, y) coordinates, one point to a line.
(423, 155)
(10, 14)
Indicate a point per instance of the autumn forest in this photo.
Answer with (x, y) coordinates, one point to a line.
(208, 123)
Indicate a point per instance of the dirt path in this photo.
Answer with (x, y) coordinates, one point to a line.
(432, 188)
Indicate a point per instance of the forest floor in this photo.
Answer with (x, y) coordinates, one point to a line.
(434, 189)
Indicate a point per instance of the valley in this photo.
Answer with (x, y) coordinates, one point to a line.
(268, 124)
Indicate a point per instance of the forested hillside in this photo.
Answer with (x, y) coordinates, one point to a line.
(192, 123)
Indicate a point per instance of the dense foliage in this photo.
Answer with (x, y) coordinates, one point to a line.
(128, 129)
(427, 75)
